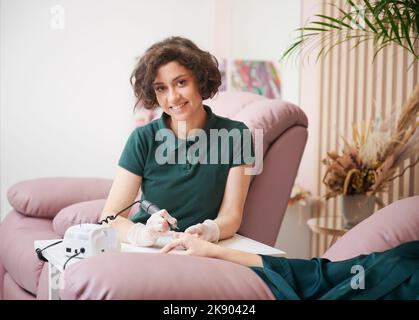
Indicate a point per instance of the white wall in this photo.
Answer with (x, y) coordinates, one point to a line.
(66, 103)
(262, 31)
(65, 99)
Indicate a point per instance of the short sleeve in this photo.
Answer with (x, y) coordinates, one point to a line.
(134, 154)
(243, 148)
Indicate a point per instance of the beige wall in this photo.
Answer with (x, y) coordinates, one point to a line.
(349, 87)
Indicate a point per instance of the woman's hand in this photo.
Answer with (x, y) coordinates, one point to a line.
(192, 245)
(208, 230)
(147, 235)
(158, 223)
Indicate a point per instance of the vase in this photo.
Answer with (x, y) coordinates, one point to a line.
(356, 208)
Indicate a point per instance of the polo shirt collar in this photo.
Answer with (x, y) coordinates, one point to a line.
(211, 119)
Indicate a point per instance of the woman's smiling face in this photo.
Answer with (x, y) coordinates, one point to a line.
(177, 92)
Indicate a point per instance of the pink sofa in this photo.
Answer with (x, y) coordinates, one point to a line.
(43, 209)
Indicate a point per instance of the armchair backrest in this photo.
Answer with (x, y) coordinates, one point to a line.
(284, 128)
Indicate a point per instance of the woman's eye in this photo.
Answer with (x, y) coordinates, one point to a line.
(181, 83)
(159, 89)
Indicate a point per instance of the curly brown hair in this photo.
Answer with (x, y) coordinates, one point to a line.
(204, 67)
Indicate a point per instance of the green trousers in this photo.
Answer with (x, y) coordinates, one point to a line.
(392, 274)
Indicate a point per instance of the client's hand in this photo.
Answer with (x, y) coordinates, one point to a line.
(208, 230)
(198, 247)
(192, 245)
(146, 235)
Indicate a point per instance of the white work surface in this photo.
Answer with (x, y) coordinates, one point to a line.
(57, 258)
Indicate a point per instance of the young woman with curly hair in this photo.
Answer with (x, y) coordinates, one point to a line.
(201, 197)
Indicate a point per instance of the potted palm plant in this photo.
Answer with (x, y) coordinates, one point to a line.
(367, 164)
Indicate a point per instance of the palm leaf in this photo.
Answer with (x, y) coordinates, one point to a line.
(340, 22)
(387, 21)
(291, 48)
(394, 26)
(404, 28)
(370, 24)
(327, 25)
(376, 16)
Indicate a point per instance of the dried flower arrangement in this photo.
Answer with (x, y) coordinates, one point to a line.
(369, 164)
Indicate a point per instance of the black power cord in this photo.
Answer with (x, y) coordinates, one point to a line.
(146, 205)
(73, 256)
(42, 258)
(113, 217)
(39, 251)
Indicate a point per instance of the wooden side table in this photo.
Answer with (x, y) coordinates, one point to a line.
(330, 226)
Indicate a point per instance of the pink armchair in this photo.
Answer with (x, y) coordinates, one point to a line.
(44, 208)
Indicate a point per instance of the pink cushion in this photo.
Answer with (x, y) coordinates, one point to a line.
(228, 104)
(273, 116)
(44, 197)
(160, 276)
(82, 212)
(13, 292)
(395, 224)
(17, 253)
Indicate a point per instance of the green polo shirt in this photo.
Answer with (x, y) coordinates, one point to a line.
(186, 177)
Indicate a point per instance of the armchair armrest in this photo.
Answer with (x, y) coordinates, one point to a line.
(151, 276)
(45, 197)
(387, 228)
(80, 212)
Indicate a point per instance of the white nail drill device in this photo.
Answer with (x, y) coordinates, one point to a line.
(88, 239)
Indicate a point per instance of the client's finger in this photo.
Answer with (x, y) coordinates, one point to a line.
(193, 229)
(178, 234)
(171, 245)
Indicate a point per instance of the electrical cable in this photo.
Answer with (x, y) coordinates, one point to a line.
(39, 251)
(113, 217)
(73, 256)
(146, 205)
